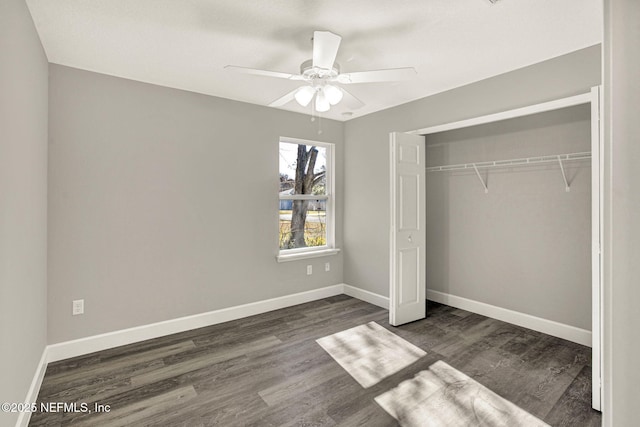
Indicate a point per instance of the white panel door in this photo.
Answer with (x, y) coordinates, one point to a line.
(408, 232)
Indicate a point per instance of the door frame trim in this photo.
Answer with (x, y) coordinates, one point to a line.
(584, 98)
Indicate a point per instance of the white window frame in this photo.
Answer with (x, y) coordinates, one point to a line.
(329, 248)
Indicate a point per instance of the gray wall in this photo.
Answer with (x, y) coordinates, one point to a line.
(366, 232)
(163, 203)
(622, 211)
(23, 202)
(525, 245)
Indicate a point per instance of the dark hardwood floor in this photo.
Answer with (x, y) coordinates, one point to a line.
(267, 370)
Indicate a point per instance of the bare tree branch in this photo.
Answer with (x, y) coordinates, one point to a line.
(308, 178)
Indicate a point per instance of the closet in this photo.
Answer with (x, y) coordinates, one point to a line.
(501, 227)
(512, 219)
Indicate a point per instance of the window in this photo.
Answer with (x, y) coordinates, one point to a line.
(305, 199)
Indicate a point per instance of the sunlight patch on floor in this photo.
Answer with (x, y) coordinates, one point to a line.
(370, 353)
(445, 397)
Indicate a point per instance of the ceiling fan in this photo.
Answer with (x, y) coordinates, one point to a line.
(322, 73)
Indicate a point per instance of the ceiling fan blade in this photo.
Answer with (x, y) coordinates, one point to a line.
(390, 75)
(284, 99)
(350, 100)
(325, 49)
(265, 73)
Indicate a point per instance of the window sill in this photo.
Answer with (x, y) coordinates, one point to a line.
(306, 255)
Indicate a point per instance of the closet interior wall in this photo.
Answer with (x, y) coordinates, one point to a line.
(526, 244)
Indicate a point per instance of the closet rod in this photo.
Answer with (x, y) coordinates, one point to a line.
(513, 162)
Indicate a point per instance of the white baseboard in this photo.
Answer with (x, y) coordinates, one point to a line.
(366, 296)
(549, 327)
(108, 340)
(34, 389)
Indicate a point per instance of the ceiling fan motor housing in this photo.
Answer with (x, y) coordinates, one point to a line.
(309, 72)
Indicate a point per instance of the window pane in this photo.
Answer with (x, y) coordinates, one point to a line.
(303, 169)
(303, 223)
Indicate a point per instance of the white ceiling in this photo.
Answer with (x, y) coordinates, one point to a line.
(185, 44)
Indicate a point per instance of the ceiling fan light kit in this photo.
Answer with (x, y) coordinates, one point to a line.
(325, 94)
(321, 73)
(322, 103)
(304, 95)
(334, 94)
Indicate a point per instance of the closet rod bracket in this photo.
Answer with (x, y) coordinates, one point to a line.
(484, 184)
(567, 188)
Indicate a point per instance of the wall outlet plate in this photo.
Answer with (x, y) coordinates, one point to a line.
(77, 307)
(309, 270)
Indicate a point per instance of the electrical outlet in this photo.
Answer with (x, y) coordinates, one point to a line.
(327, 266)
(309, 270)
(78, 307)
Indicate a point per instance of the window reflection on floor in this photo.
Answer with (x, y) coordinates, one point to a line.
(439, 396)
(370, 353)
(444, 396)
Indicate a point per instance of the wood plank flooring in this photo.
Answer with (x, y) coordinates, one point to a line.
(267, 370)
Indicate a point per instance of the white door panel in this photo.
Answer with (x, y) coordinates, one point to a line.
(409, 214)
(409, 269)
(408, 232)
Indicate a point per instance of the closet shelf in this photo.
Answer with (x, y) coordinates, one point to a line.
(559, 158)
(512, 162)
